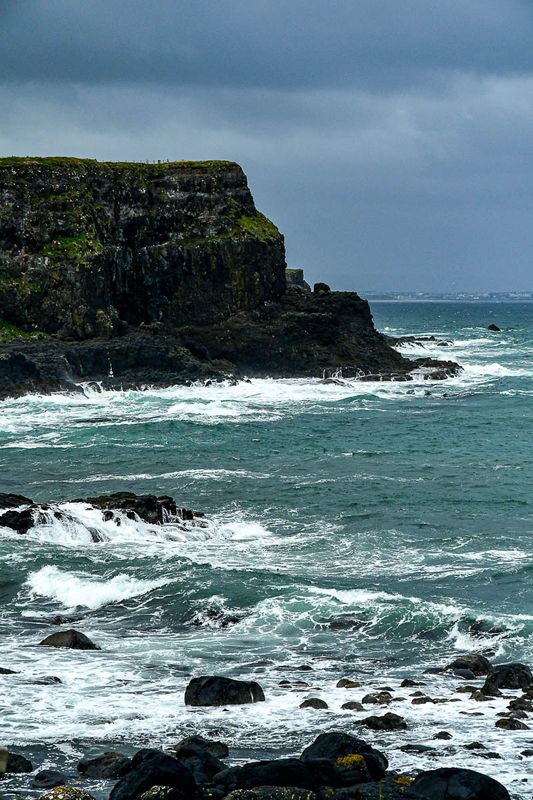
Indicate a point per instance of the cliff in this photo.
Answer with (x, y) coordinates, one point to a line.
(157, 274)
(88, 248)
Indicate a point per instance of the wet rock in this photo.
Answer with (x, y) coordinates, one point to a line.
(321, 288)
(215, 618)
(280, 772)
(377, 698)
(443, 735)
(46, 680)
(512, 724)
(387, 722)
(421, 701)
(19, 521)
(449, 783)
(66, 793)
(347, 683)
(474, 746)
(59, 619)
(508, 676)
(17, 764)
(391, 788)
(493, 327)
(49, 779)
(216, 690)
(474, 662)
(467, 674)
(408, 683)
(199, 761)
(337, 745)
(13, 500)
(5, 671)
(108, 766)
(467, 688)
(151, 768)
(482, 628)
(528, 753)
(272, 793)
(148, 507)
(314, 702)
(71, 639)
(352, 705)
(199, 744)
(521, 704)
(480, 696)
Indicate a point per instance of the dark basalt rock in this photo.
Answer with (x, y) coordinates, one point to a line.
(17, 764)
(474, 662)
(314, 702)
(198, 760)
(5, 671)
(215, 690)
(352, 705)
(309, 774)
(458, 784)
(71, 639)
(387, 722)
(512, 724)
(493, 327)
(19, 521)
(201, 745)
(389, 789)
(13, 500)
(107, 765)
(377, 698)
(148, 507)
(337, 745)
(151, 768)
(68, 793)
(48, 779)
(507, 676)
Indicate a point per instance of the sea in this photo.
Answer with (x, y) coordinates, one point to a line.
(369, 531)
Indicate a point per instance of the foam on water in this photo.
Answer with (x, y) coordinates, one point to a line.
(85, 591)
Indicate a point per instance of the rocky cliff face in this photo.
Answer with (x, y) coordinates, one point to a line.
(87, 248)
(136, 274)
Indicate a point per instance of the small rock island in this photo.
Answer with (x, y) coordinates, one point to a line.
(139, 274)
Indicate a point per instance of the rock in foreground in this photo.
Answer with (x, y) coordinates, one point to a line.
(71, 639)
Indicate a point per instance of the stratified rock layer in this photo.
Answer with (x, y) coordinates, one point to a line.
(86, 247)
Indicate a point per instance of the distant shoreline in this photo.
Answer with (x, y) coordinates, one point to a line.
(446, 299)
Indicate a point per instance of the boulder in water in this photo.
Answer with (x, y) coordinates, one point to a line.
(151, 768)
(449, 783)
(314, 702)
(19, 521)
(149, 507)
(279, 772)
(71, 639)
(387, 722)
(474, 662)
(512, 724)
(508, 676)
(216, 690)
(49, 779)
(199, 744)
(493, 327)
(106, 765)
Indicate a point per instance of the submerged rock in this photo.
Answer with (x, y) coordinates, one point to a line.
(216, 690)
(71, 639)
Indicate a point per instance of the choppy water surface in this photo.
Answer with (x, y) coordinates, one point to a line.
(404, 508)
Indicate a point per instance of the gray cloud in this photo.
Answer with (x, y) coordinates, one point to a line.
(389, 139)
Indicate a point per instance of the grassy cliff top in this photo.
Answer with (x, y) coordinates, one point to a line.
(57, 162)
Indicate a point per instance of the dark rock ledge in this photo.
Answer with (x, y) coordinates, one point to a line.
(21, 514)
(158, 274)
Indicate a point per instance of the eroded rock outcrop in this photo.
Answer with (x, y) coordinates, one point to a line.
(135, 274)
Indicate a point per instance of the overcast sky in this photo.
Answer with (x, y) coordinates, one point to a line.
(390, 140)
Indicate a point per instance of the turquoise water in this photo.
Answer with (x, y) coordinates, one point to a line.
(405, 506)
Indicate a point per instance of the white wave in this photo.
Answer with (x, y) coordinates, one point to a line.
(74, 590)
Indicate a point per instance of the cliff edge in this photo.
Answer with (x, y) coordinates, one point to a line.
(134, 273)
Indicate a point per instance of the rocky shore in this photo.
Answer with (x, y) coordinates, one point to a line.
(336, 764)
(139, 275)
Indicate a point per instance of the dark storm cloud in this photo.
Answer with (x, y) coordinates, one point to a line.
(264, 43)
(389, 139)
